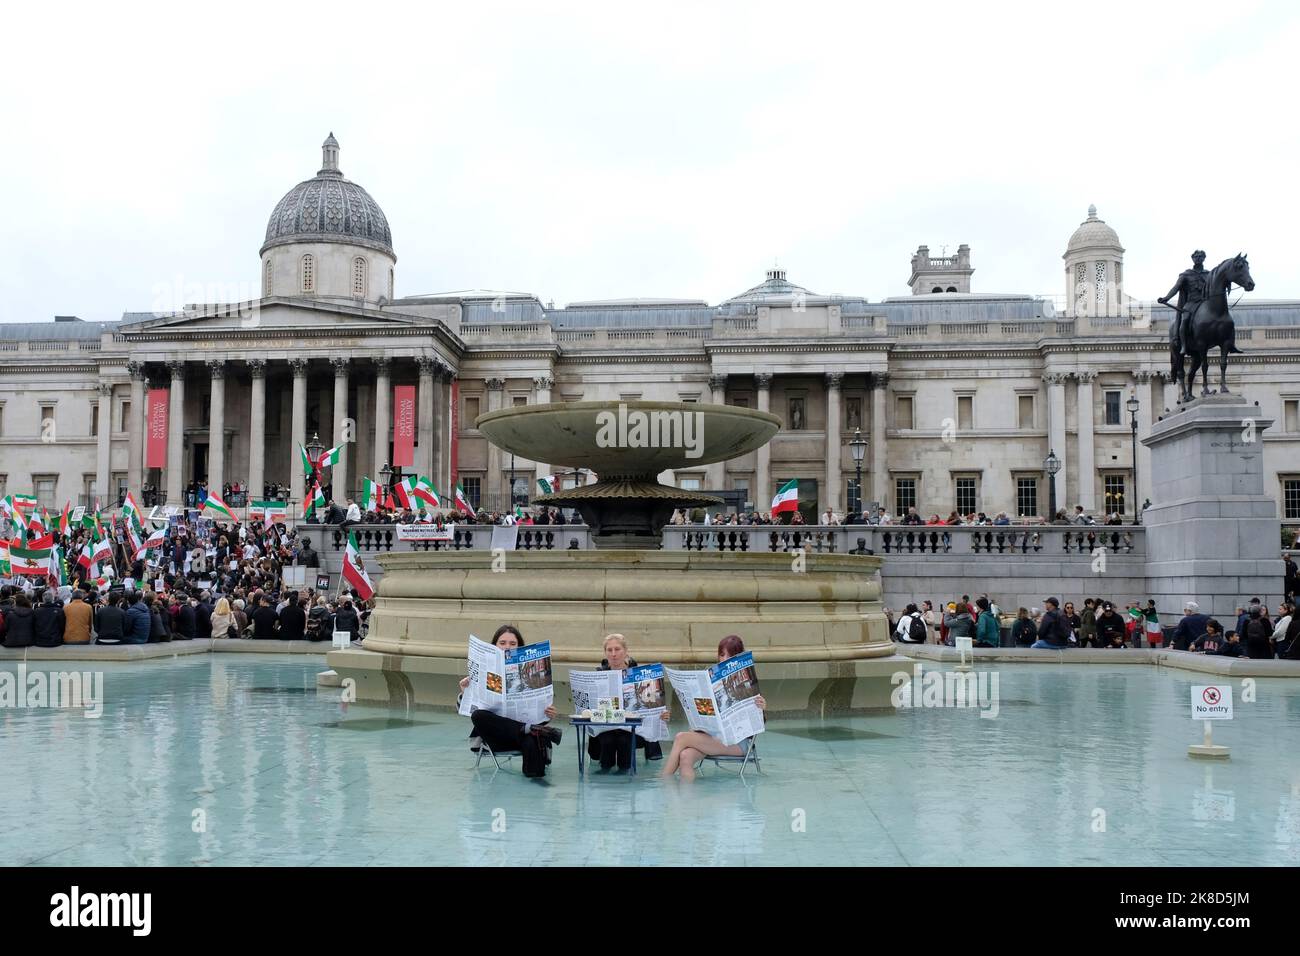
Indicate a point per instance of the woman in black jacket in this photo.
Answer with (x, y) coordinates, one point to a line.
(613, 746)
(108, 621)
(1024, 631)
(19, 623)
(159, 632)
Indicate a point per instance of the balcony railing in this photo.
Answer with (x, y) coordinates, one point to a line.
(951, 540)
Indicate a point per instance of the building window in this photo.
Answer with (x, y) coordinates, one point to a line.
(855, 496)
(952, 288)
(359, 277)
(966, 496)
(1101, 282)
(472, 488)
(966, 411)
(1026, 497)
(1025, 410)
(94, 419)
(125, 419)
(689, 484)
(936, 289)
(903, 412)
(308, 273)
(1115, 502)
(390, 283)
(46, 485)
(904, 494)
(119, 485)
(266, 277)
(1081, 285)
(1112, 408)
(471, 410)
(1290, 498)
(742, 485)
(1291, 416)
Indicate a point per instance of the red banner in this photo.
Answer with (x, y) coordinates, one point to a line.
(455, 434)
(403, 426)
(156, 419)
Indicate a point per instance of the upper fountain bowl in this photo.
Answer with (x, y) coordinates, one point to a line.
(628, 438)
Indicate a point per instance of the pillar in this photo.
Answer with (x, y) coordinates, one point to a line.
(176, 435)
(424, 417)
(763, 457)
(717, 470)
(297, 483)
(438, 427)
(879, 448)
(102, 443)
(217, 427)
(343, 436)
(495, 493)
(257, 429)
(834, 450)
(1056, 431)
(135, 430)
(383, 414)
(1087, 445)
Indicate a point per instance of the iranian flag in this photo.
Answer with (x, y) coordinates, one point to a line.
(131, 536)
(103, 550)
(370, 495)
(40, 541)
(32, 562)
(425, 492)
(213, 503)
(156, 539)
(462, 503)
(354, 572)
(308, 502)
(86, 558)
(5, 568)
(402, 491)
(23, 502)
(308, 466)
(132, 513)
(63, 520)
(40, 523)
(330, 457)
(786, 498)
(58, 568)
(547, 484)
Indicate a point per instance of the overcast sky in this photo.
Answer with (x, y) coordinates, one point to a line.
(619, 150)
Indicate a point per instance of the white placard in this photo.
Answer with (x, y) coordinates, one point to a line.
(342, 639)
(1212, 702)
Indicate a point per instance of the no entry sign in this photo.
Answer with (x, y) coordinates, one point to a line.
(1212, 702)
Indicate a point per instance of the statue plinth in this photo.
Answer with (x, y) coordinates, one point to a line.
(1213, 535)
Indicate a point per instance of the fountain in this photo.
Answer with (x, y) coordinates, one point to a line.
(814, 621)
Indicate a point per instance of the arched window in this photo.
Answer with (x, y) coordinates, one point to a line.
(359, 277)
(266, 277)
(952, 288)
(936, 289)
(308, 273)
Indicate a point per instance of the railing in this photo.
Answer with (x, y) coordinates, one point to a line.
(382, 538)
(951, 540)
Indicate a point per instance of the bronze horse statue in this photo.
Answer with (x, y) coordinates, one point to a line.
(1210, 326)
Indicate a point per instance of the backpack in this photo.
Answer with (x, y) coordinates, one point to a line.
(916, 630)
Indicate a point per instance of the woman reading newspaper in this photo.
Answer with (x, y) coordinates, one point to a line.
(691, 746)
(611, 746)
(501, 733)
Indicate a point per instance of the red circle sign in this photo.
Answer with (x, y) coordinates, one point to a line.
(1210, 695)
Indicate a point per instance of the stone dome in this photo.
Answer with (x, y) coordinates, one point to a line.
(1092, 234)
(329, 208)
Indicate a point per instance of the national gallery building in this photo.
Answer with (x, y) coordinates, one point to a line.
(960, 395)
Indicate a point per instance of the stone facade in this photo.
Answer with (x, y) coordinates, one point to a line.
(959, 395)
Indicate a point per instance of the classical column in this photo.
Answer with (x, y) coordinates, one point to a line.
(496, 396)
(831, 494)
(718, 470)
(135, 429)
(541, 396)
(297, 481)
(879, 447)
(103, 446)
(342, 438)
(1143, 490)
(763, 457)
(217, 427)
(1056, 430)
(257, 429)
(176, 434)
(424, 416)
(1087, 446)
(438, 426)
(383, 413)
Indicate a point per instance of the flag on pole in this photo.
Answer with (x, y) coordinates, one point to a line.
(318, 499)
(354, 571)
(86, 558)
(31, 562)
(786, 497)
(330, 457)
(63, 520)
(156, 539)
(402, 492)
(370, 493)
(131, 512)
(58, 568)
(308, 502)
(213, 503)
(462, 503)
(424, 491)
(42, 540)
(5, 569)
(24, 502)
(103, 549)
(391, 503)
(308, 466)
(547, 484)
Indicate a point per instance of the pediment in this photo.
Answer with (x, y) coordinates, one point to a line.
(273, 315)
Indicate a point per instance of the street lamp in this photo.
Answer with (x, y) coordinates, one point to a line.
(1051, 465)
(1132, 405)
(858, 446)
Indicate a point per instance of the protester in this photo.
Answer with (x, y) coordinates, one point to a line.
(78, 620)
(1053, 633)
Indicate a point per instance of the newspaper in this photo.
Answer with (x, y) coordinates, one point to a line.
(641, 689)
(721, 701)
(515, 684)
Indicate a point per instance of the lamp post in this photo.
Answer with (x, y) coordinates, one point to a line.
(1132, 405)
(858, 446)
(512, 481)
(1051, 465)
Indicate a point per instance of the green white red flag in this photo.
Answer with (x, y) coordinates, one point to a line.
(30, 562)
(354, 572)
(462, 503)
(786, 497)
(213, 503)
(370, 493)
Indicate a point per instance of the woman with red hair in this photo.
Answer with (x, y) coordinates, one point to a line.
(691, 746)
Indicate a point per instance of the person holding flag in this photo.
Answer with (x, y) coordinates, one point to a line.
(462, 503)
(354, 571)
(786, 499)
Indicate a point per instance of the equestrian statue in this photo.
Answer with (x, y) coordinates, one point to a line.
(1202, 320)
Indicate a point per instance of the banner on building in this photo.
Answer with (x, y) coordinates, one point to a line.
(403, 426)
(156, 421)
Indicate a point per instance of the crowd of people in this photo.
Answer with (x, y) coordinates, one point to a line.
(1100, 623)
(206, 580)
